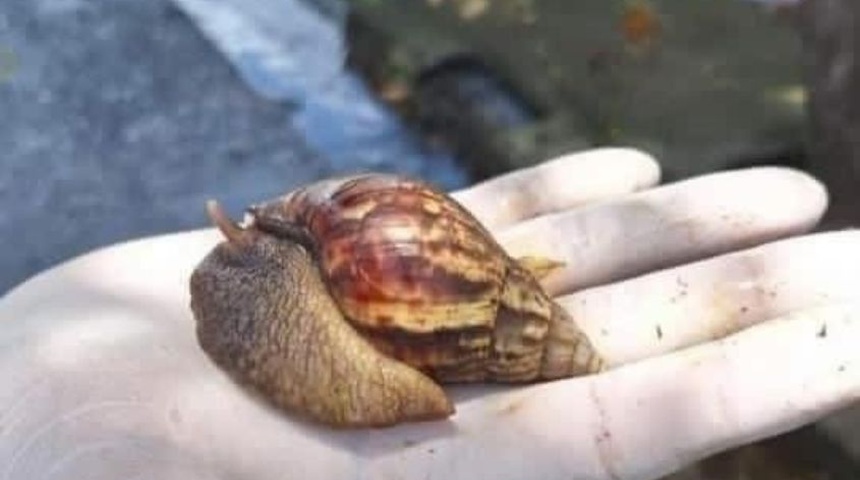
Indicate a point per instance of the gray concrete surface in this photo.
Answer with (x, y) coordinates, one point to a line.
(118, 119)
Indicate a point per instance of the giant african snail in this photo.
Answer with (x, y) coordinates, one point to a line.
(347, 300)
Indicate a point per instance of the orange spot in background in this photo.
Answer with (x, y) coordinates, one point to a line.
(640, 23)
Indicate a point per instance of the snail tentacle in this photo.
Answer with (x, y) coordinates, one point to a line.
(235, 234)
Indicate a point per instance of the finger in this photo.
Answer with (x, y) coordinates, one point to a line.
(683, 306)
(652, 418)
(670, 225)
(767, 380)
(562, 183)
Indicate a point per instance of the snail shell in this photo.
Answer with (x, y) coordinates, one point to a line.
(349, 300)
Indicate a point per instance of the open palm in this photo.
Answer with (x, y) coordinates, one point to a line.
(719, 330)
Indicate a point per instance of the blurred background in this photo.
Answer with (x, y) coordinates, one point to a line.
(119, 118)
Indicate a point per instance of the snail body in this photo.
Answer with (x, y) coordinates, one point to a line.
(350, 300)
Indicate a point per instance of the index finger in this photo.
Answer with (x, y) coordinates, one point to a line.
(559, 184)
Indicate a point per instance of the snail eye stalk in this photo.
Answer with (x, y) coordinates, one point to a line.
(235, 234)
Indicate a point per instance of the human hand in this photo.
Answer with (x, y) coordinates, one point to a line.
(719, 330)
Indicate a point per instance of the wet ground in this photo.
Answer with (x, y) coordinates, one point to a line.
(118, 119)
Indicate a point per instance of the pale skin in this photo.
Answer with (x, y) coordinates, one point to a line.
(722, 319)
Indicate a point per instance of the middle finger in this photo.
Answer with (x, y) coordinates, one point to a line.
(669, 225)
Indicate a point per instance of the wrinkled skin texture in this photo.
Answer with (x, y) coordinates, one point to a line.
(257, 321)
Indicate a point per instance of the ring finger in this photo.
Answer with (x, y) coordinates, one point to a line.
(692, 304)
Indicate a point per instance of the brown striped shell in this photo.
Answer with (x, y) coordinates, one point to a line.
(407, 271)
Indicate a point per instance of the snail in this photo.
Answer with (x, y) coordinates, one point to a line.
(352, 300)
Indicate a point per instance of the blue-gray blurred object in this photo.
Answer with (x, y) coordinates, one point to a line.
(118, 120)
(288, 51)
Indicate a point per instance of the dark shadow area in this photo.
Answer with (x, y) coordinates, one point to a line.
(463, 104)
